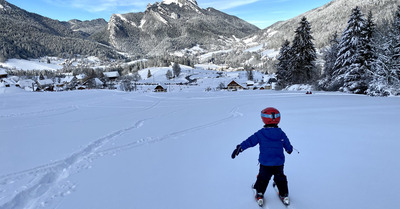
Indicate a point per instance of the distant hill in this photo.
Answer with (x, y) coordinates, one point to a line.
(28, 35)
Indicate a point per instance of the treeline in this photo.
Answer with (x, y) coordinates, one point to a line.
(365, 59)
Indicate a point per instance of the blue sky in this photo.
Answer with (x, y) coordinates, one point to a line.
(261, 13)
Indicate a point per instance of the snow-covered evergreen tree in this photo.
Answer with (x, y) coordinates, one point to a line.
(169, 75)
(395, 68)
(283, 65)
(176, 68)
(386, 79)
(350, 70)
(304, 55)
(330, 56)
(369, 47)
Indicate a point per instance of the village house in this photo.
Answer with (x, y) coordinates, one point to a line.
(26, 84)
(250, 83)
(45, 85)
(160, 88)
(111, 75)
(3, 73)
(234, 86)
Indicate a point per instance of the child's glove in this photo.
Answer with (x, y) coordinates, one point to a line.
(237, 151)
(290, 151)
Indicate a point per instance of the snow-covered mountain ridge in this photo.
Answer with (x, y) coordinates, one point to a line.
(324, 21)
(180, 2)
(174, 25)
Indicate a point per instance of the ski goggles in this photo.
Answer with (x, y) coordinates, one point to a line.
(272, 116)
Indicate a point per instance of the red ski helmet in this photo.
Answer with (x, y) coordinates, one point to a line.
(270, 115)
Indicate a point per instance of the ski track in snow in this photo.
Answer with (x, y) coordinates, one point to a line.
(39, 186)
(149, 140)
(49, 180)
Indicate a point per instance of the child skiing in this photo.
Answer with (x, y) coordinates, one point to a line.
(272, 140)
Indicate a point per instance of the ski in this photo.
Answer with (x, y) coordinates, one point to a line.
(285, 201)
(260, 202)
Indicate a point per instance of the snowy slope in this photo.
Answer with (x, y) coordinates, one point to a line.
(110, 149)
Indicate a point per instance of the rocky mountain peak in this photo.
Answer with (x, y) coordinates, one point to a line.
(180, 2)
(173, 25)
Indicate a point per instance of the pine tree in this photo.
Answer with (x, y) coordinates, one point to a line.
(369, 47)
(283, 71)
(350, 68)
(304, 54)
(330, 55)
(395, 67)
(169, 74)
(250, 75)
(176, 69)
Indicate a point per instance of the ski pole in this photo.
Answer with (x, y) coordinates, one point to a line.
(296, 150)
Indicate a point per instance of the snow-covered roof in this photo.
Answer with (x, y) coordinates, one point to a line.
(113, 74)
(250, 82)
(25, 83)
(45, 82)
(9, 81)
(81, 76)
(3, 71)
(98, 82)
(67, 79)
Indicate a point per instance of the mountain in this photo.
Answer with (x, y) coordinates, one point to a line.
(174, 25)
(88, 27)
(324, 21)
(28, 35)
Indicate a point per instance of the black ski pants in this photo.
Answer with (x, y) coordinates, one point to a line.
(265, 174)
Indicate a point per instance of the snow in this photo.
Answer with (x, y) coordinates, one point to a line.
(194, 50)
(126, 20)
(33, 64)
(45, 82)
(179, 2)
(113, 74)
(158, 17)
(271, 53)
(208, 55)
(3, 72)
(110, 149)
(142, 22)
(255, 48)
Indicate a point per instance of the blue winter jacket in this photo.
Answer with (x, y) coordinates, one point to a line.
(271, 142)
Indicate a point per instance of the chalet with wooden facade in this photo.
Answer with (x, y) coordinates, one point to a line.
(160, 88)
(234, 86)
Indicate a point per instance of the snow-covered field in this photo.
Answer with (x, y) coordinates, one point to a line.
(21, 64)
(109, 149)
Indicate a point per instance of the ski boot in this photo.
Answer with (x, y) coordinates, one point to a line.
(285, 200)
(260, 199)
